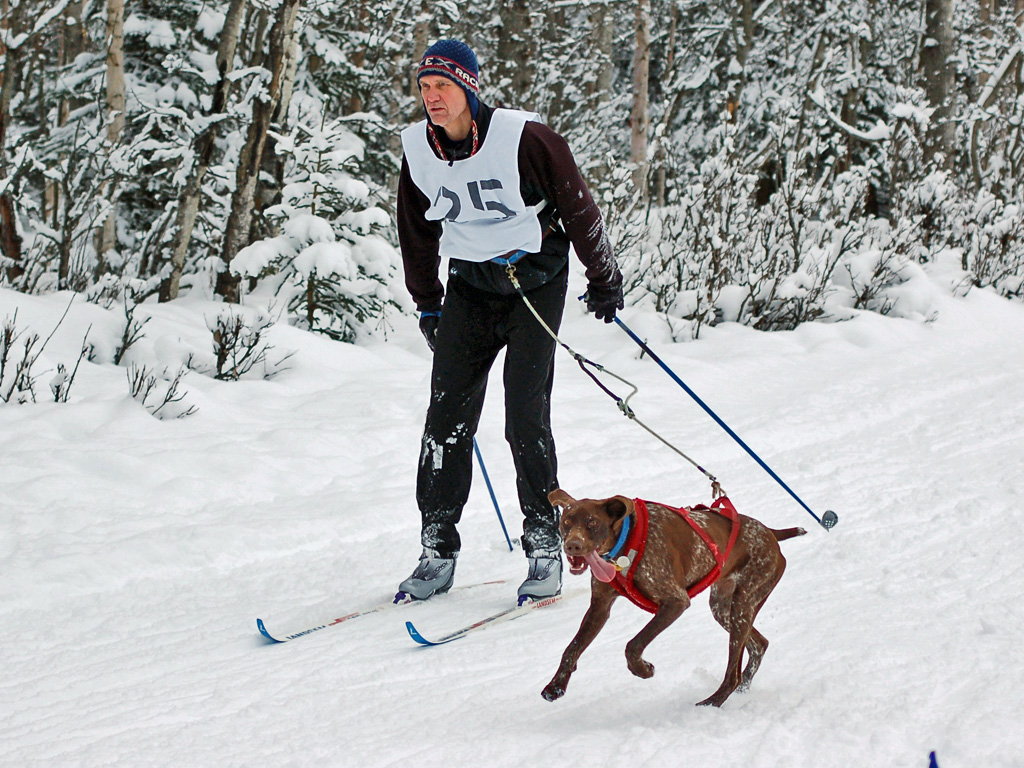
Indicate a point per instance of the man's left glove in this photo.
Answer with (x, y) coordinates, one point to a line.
(603, 301)
(428, 327)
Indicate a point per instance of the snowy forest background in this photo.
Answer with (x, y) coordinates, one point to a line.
(766, 162)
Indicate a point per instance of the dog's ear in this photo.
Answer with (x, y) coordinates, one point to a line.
(560, 498)
(618, 507)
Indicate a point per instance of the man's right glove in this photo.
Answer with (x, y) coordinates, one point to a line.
(428, 327)
(604, 300)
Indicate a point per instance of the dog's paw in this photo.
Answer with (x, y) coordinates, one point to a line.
(641, 668)
(552, 692)
(711, 701)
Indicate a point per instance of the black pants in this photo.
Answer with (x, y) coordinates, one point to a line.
(475, 325)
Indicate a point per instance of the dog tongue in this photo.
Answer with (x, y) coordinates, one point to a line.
(601, 568)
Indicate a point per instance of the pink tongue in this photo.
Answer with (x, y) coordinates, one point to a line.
(601, 568)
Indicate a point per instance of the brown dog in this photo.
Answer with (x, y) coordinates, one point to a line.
(676, 560)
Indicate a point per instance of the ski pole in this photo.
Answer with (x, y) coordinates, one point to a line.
(490, 489)
(827, 521)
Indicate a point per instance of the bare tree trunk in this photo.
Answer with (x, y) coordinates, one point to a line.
(668, 116)
(554, 31)
(1008, 71)
(250, 158)
(515, 50)
(115, 122)
(420, 43)
(251, 39)
(744, 43)
(640, 118)
(10, 240)
(355, 99)
(938, 73)
(271, 181)
(188, 203)
(602, 42)
(862, 53)
(985, 9)
(71, 41)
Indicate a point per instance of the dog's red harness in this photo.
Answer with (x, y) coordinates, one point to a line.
(623, 581)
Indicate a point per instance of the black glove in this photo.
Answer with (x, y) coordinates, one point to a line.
(428, 327)
(603, 300)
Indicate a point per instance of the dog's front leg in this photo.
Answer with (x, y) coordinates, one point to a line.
(668, 611)
(601, 599)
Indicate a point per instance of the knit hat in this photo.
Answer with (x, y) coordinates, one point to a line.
(456, 61)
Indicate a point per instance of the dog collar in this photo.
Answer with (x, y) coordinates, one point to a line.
(612, 557)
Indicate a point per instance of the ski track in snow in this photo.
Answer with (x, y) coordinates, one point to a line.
(137, 555)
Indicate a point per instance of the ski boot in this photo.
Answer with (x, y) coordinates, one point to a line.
(433, 576)
(544, 578)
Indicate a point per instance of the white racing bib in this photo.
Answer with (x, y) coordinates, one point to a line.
(477, 199)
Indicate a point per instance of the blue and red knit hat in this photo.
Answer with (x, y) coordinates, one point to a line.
(456, 61)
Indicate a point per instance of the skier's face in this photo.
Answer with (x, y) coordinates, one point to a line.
(446, 105)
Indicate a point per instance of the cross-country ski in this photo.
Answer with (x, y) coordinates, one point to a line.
(508, 614)
(281, 637)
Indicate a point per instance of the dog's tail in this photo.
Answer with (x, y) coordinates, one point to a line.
(787, 533)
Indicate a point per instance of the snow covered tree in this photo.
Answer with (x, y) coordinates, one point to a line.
(203, 148)
(763, 162)
(332, 263)
(264, 107)
(938, 72)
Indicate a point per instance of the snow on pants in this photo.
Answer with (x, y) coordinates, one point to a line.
(475, 325)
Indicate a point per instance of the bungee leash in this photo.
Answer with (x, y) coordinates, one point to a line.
(583, 362)
(826, 521)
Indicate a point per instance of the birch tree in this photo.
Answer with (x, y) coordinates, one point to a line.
(115, 119)
(270, 181)
(10, 240)
(251, 156)
(188, 203)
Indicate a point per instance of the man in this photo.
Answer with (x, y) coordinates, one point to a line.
(478, 185)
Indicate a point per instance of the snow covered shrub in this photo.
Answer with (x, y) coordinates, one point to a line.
(19, 354)
(239, 345)
(330, 262)
(874, 275)
(993, 244)
(789, 261)
(17, 382)
(68, 171)
(63, 380)
(985, 232)
(717, 254)
(934, 204)
(159, 392)
(694, 248)
(132, 332)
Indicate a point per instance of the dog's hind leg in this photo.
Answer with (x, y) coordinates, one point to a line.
(738, 618)
(758, 643)
(756, 646)
(740, 622)
(725, 600)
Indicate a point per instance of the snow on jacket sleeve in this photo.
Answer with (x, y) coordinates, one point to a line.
(418, 239)
(546, 162)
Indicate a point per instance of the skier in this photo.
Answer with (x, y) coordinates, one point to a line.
(486, 186)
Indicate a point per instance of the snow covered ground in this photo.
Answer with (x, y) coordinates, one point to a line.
(137, 553)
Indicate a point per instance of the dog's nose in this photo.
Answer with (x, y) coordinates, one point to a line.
(574, 546)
